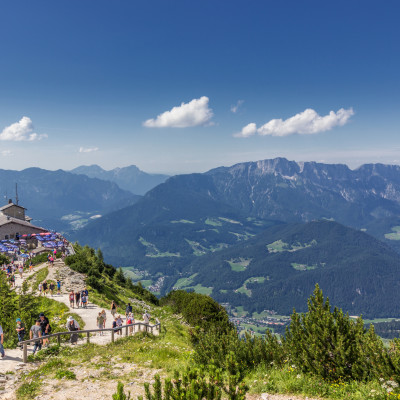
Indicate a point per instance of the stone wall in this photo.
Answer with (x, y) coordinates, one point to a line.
(11, 229)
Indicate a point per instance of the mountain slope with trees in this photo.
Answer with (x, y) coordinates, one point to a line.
(277, 270)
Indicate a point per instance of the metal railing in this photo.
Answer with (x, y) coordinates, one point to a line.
(142, 327)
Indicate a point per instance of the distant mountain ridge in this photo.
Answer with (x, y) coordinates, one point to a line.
(278, 189)
(61, 200)
(291, 191)
(128, 178)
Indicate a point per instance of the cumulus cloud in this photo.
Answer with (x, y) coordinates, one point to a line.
(235, 108)
(88, 149)
(308, 122)
(247, 131)
(20, 131)
(194, 113)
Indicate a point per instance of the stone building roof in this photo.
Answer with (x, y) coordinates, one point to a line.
(10, 205)
(4, 220)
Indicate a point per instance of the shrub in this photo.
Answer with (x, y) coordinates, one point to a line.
(196, 384)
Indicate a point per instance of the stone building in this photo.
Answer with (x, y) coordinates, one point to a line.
(14, 222)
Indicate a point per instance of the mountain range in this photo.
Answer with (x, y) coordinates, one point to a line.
(184, 226)
(61, 200)
(128, 178)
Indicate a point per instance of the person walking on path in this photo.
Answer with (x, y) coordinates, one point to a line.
(72, 326)
(100, 322)
(146, 317)
(103, 312)
(40, 287)
(129, 321)
(83, 300)
(77, 298)
(21, 271)
(44, 288)
(58, 287)
(1, 342)
(86, 293)
(51, 287)
(113, 308)
(46, 328)
(128, 310)
(36, 333)
(20, 330)
(71, 299)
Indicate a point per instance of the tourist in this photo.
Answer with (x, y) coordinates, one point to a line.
(113, 308)
(21, 271)
(1, 342)
(51, 287)
(72, 326)
(44, 288)
(128, 310)
(104, 317)
(146, 317)
(83, 300)
(20, 330)
(12, 280)
(86, 293)
(119, 324)
(100, 322)
(71, 299)
(58, 287)
(30, 266)
(36, 333)
(77, 298)
(130, 320)
(46, 328)
(40, 287)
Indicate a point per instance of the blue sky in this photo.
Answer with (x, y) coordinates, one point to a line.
(87, 75)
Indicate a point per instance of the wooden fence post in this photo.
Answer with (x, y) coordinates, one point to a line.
(25, 353)
(112, 336)
(88, 337)
(126, 331)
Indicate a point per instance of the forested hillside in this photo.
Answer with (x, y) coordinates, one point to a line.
(277, 270)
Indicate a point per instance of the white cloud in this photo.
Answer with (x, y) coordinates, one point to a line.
(247, 131)
(194, 113)
(6, 153)
(307, 122)
(235, 108)
(20, 131)
(88, 149)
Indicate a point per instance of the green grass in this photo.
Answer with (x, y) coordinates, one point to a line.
(169, 351)
(201, 289)
(213, 222)
(303, 267)
(395, 235)
(231, 221)
(38, 277)
(280, 246)
(243, 289)
(239, 265)
(184, 282)
(198, 249)
(153, 252)
(290, 381)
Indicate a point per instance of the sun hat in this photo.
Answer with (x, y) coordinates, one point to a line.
(18, 320)
(70, 318)
(41, 314)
